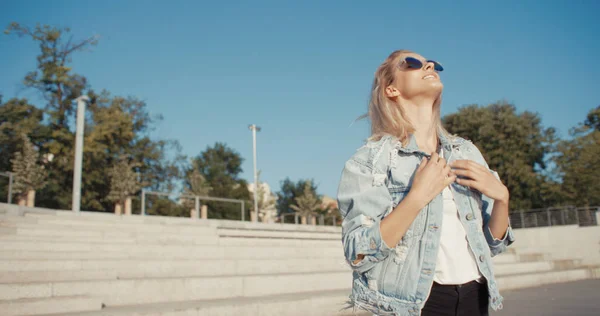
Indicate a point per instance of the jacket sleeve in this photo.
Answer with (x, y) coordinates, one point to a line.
(497, 246)
(363, 199)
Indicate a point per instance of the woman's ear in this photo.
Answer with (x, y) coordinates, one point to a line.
(392, 92)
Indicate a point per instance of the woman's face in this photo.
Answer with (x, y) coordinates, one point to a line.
(410, 82)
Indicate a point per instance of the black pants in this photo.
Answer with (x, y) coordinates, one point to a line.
(469, 299)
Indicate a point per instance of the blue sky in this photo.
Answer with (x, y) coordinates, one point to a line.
(302, 70)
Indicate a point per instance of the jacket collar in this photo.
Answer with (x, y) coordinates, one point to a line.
(447, 143)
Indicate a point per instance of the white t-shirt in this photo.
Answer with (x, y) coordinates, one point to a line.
(455, 263)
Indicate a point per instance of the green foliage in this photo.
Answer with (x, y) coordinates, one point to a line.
(117, 126)
(308, 202)
(123, 181)
(196, 186)
(17, 118)
(221, 166)
(578, 163)
(288, 193)
(29, 173)
(515, 145)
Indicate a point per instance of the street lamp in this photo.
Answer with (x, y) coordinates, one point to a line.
(78, 152)
(255, 129)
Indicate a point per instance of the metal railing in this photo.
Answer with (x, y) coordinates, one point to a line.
(321, 218)
(194, 197)
(555, 216)
(10, 177)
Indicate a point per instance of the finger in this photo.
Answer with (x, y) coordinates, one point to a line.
(468, 183)
(462, 163)
(451, 178)
(434, 157)
(475, 166)
(422, 164)
(446, 170)
(467, 173)
(442, 162)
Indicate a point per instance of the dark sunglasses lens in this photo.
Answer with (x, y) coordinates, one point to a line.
(437, 66)
(413, 63)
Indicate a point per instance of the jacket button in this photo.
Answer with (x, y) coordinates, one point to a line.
(469, 216)
(481, 258)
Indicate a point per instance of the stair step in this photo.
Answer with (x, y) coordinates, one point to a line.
(15, 250)
(278, 234)
(525, 280)
(151, 290)
(521, 267)
(80, 225)
(108, 239)
(76, 305)
(27, 271)
(505, 258)
(316, 303)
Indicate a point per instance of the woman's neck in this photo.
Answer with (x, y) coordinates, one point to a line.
(421, 117)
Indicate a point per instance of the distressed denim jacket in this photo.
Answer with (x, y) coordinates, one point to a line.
(397, 279)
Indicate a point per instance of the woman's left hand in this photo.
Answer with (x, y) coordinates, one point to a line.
(479, 178)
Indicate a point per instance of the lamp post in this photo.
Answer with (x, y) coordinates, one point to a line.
(255, 129)
(78, 152)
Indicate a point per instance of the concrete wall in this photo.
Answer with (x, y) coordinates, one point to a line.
(561, 242)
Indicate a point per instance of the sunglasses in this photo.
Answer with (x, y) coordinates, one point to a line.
(414, 63)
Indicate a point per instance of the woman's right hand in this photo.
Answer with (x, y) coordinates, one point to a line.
(431, 177)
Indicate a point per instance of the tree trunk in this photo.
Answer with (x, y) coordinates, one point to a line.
(128, 206)
(31, 198)
(204, 212)
(22, 200)
(118, 210)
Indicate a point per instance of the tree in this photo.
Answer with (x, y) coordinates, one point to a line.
(578, 162)
(288, 192)
(55, 80)
(196, 185)
(29, 174)
(123, 183)
(306, 204)
(117, 126)
(221, 166)
(18, 117)
(515, 145)
(120, 127)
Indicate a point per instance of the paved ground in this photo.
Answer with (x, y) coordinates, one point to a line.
(580, 298)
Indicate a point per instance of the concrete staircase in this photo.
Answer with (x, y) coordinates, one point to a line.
(60, 263)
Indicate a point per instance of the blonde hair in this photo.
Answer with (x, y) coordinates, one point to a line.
(386, 116)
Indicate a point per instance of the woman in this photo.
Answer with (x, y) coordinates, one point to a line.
(423, 213)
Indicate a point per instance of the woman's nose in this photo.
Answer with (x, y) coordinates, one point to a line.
(429, 66)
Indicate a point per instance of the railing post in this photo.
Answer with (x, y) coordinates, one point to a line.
(296, 218)
(244, 215)
(562, 216)
(549, 217)
(143, 212)
(10, 181)
(522, 219)
(197, 206)
(536, 220)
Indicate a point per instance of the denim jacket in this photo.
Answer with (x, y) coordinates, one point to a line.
(397, 279)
